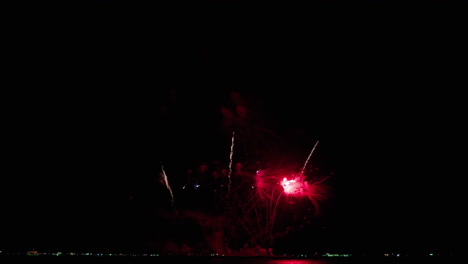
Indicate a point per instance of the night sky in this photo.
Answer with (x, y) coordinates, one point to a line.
(104, 94)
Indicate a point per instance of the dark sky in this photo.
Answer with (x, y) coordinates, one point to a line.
(101, 94)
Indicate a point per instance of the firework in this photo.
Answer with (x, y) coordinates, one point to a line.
(310, 154)
(166, 182)
(230, 161)
(298, 187)
(265, 189)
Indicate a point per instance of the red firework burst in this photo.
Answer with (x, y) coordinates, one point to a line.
(298, 187)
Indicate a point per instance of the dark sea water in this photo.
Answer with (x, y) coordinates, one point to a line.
(223, 260)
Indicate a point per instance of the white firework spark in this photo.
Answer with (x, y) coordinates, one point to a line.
(312, 151)
(230, 161)
(166, 182)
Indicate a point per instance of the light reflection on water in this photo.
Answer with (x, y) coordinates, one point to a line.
(329, 261)
(222, 260)
(272, 261)
(296, 261)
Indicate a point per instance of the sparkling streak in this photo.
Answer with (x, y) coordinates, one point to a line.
(166, 182)
(230, 161)
(312, 151)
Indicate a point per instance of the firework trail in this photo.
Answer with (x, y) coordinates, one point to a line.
(230, 161)
(312, 151)
(166, 182)
(266, 180)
